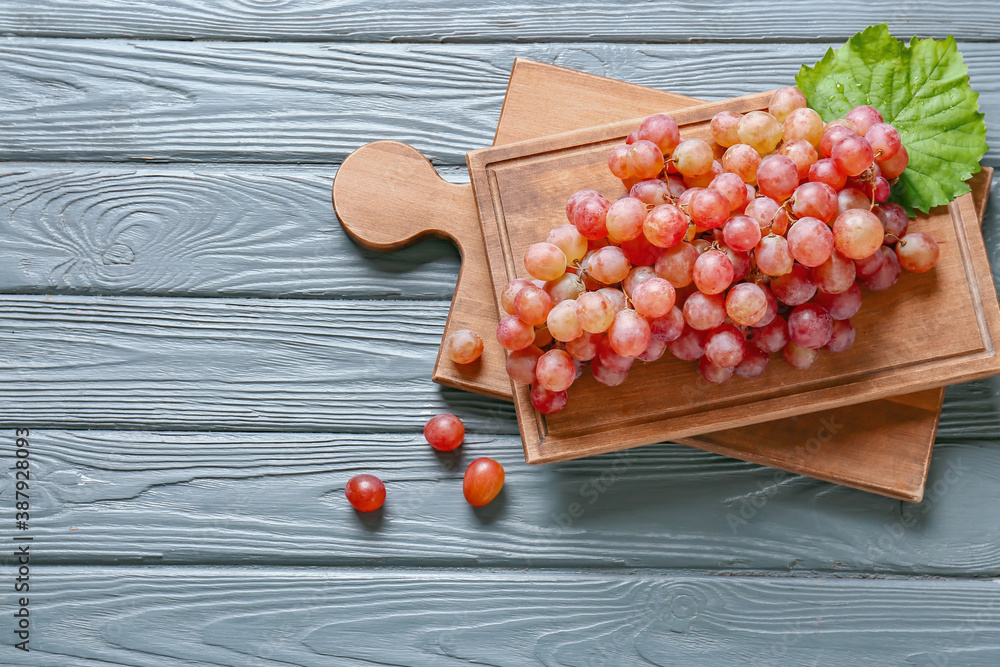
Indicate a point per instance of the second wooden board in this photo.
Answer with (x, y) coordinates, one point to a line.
(929, 330)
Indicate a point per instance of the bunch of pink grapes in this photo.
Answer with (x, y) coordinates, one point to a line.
(722, 253)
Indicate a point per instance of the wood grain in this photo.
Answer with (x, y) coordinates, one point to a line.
(257, 364)
(317, 618)
(440, 21)
(187, 498)
(315, 103)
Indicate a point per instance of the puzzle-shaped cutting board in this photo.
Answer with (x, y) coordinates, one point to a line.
(882, 447)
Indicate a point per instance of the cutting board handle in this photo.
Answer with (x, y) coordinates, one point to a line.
(387, 196)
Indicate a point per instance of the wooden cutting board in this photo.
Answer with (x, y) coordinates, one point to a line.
(883, 447)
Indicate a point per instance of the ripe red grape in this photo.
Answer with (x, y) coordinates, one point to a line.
(365, 492)
(444, 432)
(483, 480)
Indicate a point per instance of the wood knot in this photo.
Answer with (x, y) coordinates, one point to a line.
(118, 253)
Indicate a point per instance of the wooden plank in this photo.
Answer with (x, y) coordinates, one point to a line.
(315, 618)
(257, 364)
(186, 498)
(440, 21)
(521, 189)
(314, 103)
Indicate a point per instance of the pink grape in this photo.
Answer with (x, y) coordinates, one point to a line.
(617, 163)
(835, 275)
(785, 101)
(773, 257)
(637, 276)
(644, 159)
(709, 208)
(615, 296)
(857, 233)
(521, 364)
(760, 130)
(843, 336)
(754, 363)
(555, 370)
(917, 252)
(607, 357)
(583, 347)
(881, 189)
(629, 334)
(704, 311)
(887, 274)
(510, 293)
(724, 346)
(895, 165)
(639, 251)
(733, 187)
(777, 177)
(863, 117)
(570, 241)
(676, 264)
(810, 326)
(825, 171)
(852, 155)
(542, 338)
(654, 351)
(798, 356)
(815, 200)
(772, 307)
(562, 322)
(795, 287)
(594, 312)
(548, 402)
(743, 161)
(654, 298)
(576, 198)
(713, 272)
(741, 233)
(607, 376)
(810, 241)
(762, 209)
(842, 305)
(885, 138)
(662, 130)
(804, 124)
(849, 198)
(771, 337)
(545, 261)
(589, 216)
(802, 153)
(741, 261)
(723, 128)
(746, 304)
(513, 334)
(608, 265)
(569, 286)
(831, 137)
(693, 157)
(624, 219)
(869, 266)
(688, 346)
(667, 327)
(712, 373)
(463, 346)
(703, 180)
(652, 191)
(532, 305)
(665, 225)
(894, 220)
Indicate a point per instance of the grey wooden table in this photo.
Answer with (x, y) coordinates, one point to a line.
(203, 359)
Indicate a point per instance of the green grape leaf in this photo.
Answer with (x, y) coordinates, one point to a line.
(923, 90)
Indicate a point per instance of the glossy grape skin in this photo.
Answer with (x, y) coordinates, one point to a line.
(576, 199)
(594, 312)
(668, 327)
(547, 402)
(917, 252)
(562, 322)
(637, 276)
(754, 363)
(444, 432)
(665, 226)
(885, 138)
(724, 346)
(763, 210)
(644, 159)
(569, 286)
(810, 241)
(688, 346)
(624, 219)
(772, 307)
(810, 326)
(803, 124)
(849, 198)
(606, 376)
(629, 334)
(825, 171)
(733, 187)
(713, 373)
(542, 337)
(709, 208)
(772, 256)
(743, 161)
(843, 336)
(741, 261)
(895, 165)
(852, 155)
(704, 311)
(832, 135)
(463, 346)
(545, 261)
(483, 480)
(693, 157)
(608, 265)
(610, 359)
(521, 364)
(640, 252)
(760, 130)
(589, 216)
(802, 153)
(513, 334)
(615, 296)
(798, 356)
(584, 347)
(532, 305)
(771, 337)
(795, 287)
(555, 370)
(676, 264)
(652, 191)
(894, 220)
(843, 305)
(881, 189)
(654, 298)
(844, 122)
(654, 351)
(741, 233)
(366, 493)
(777, 177)
(617, 164)
(724, 128)
(570, 241)
(784, 101)
(857, 233)
(815, 200)
(863, 117)
(886, 275)
(713, 272)
(510, 292)
(835, 275)
(746, 304)
(703, 180)
(662, 130)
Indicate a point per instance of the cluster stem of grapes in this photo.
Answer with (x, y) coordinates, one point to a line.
(722, 253)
